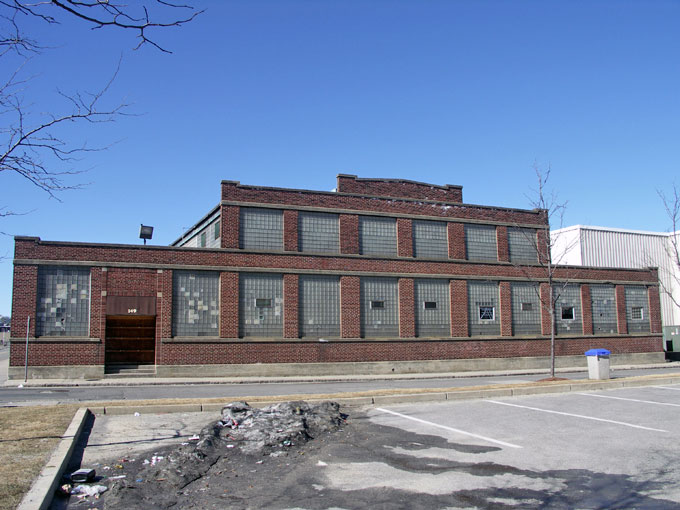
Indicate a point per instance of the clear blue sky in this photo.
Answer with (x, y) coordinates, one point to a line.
(291, 93)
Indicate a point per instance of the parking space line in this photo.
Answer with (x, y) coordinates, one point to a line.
(576, 416)
(665, 388)
(629, 399)
(450, 429)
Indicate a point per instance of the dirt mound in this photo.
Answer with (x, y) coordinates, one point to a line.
(242, 436)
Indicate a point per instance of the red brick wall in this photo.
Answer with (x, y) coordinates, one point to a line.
(459, 308)
(233, 192)
(502, 243)
(123, 281)
(163, 308)
(229, 303)
(407, 318)
(313, 352)
(456, 232)
(24, 300)
(586, 309)
(404, 237)
(57, 353)
(350, 307)
(621, 310)
(290, 230)
(654, 309)
(505, 309)
(545, 309)
(230, 226)
(290, 306)
(399, 188)
(349, 233)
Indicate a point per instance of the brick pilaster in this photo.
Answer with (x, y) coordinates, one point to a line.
(456, 234)
(502, 243)
(586, 309)
(543, 245)
(350, 307)
(290, 306)
(163, 310)
(505, 309)
(545, 308)
(229, 226)
(349, 233)
(621, 310)
(459, 308)
(290, 230)
(404, 237)
(407, 319)
(654, 309)
(229, 303)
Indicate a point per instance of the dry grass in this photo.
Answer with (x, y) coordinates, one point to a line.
(28, 435)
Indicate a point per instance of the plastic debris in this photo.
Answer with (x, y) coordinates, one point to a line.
(195, 437)
(116, 477)
(137, 414)
(84, 491)
(321, 463)
(20, 386)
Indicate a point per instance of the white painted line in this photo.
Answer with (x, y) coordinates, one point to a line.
(450, 429)
(629, 399)
(576, 416)
(665, 388)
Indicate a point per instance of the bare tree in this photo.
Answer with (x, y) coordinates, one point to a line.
(34, 145)
(672, 206)
(547, 201)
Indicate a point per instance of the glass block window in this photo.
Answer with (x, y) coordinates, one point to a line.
(480, 242)
(382, 320)
(195, 303)
(522, 245)
(319, 306)
(63, 307)
(483, 308)
(261, 305)
(261, 229)
(319, 232)
(526, 308)
(568, 309)
(433, 317)
(603, 300)
(377, 236)
(430, 239)
(216, 230)
(637, 308)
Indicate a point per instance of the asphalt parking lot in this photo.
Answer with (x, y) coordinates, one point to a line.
(613, 449)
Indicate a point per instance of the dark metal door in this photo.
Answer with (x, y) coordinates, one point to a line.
(130, 339)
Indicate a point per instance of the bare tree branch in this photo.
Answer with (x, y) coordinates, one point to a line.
(672, 206)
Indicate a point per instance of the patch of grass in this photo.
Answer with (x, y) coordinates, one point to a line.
(28, 435)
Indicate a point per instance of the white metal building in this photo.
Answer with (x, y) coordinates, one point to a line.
(585, 245)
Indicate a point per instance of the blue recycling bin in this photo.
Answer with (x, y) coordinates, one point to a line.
(598, 363)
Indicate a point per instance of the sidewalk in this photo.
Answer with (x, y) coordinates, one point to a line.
(154, 381)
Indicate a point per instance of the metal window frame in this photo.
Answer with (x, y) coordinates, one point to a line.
(493, 312)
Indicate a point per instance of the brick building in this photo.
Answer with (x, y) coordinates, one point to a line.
(378, 276)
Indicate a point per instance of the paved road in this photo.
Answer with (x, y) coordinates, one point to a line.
(21, 396)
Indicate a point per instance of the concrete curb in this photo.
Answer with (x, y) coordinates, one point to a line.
(39, 496)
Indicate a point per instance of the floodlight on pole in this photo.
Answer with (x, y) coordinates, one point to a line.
(145, 232)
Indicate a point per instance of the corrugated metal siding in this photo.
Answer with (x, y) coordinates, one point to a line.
(433, 320)
(319, 306)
